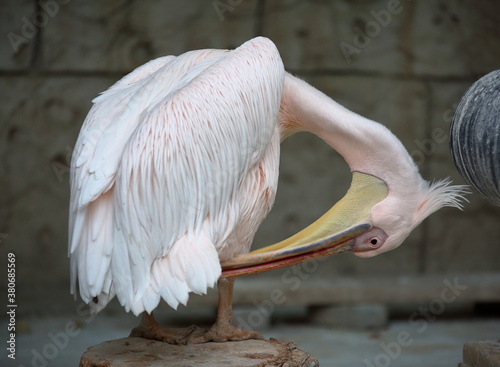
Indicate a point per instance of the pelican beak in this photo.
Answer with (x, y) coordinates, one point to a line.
(334, 232)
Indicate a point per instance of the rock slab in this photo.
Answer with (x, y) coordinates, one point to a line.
(149, 353)
(482, 354)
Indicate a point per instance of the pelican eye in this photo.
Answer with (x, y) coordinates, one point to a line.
(370, 241)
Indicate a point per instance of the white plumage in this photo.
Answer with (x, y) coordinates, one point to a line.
(176, 166)
(150, 209)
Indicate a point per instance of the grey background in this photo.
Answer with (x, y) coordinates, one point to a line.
(407, 74)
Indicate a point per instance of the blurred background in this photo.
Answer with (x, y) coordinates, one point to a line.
(403, 63)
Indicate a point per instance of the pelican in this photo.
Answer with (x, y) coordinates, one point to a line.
(176, 166)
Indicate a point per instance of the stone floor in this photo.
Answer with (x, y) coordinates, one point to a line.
(408, 342)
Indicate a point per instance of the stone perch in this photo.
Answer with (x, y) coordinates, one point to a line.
(481, 354)
(132, 352)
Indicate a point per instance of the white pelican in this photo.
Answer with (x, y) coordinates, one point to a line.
(176, 166)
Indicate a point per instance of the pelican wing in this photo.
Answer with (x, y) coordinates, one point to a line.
(155, 168)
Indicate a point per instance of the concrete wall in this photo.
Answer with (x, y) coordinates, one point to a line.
(403, 63)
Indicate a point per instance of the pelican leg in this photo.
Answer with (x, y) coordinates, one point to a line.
(223, 329)
(150, 329)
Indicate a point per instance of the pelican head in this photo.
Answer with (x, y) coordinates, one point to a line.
(394, 218)
(387, 192)
(387, 198)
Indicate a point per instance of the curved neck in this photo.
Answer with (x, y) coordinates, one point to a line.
(366, 146)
